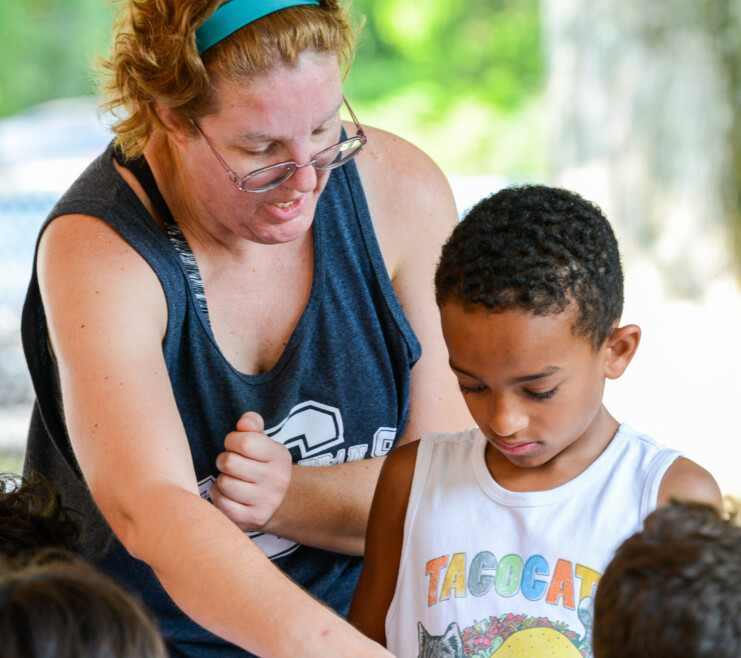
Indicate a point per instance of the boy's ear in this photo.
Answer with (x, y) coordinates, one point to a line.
(621, 346)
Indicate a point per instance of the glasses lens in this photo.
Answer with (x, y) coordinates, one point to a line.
(338, 154)
(264, 179)
(270, 177)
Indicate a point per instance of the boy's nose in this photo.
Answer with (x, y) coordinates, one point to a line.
(505, 417)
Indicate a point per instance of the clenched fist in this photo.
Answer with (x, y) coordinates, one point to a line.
(255, 474)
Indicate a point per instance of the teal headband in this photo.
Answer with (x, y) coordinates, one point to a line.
(236, 14)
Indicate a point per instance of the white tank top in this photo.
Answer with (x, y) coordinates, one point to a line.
(483, 567)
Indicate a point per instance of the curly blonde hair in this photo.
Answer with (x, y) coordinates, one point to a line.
(154, 59)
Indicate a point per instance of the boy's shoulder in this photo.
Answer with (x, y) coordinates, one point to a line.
(683, 478)
(627, 440)
(404, 457)
(467, 436)
(449, 446)
(686, 480)
(395, 479)
(398, 469)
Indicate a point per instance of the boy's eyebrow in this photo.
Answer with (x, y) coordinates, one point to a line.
(550, 370)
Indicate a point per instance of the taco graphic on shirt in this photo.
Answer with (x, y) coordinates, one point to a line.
(521, 636)
(541, 642)
(534, 642)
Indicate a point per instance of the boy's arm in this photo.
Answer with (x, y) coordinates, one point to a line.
(686, 480)
(383, 543)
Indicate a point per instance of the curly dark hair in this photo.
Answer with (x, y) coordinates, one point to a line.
(672, 590)
(32, 517)
(535, 248)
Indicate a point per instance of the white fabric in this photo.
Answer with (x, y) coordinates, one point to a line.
(475, 552)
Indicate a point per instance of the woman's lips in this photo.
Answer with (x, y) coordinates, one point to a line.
(284, 211)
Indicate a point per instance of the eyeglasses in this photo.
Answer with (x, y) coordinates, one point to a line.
(266, 178)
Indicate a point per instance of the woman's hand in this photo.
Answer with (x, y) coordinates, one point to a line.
(255, 474)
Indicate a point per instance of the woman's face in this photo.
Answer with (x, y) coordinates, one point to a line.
(289, 113)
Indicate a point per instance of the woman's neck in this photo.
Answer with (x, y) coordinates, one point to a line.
(169, 173)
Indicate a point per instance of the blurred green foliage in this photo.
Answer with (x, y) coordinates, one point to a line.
(11, 463)
(449, 49)
(426, 70)
(47, 48)
(462, 78)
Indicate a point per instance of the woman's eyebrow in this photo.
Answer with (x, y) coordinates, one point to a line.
(333, 113)
(263, 137)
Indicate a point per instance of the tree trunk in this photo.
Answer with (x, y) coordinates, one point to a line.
(644, 101)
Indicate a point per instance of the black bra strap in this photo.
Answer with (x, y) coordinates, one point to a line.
(143, 173)
(141, 170)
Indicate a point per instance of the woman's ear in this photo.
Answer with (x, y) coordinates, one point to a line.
(621, 346)
(177, 127)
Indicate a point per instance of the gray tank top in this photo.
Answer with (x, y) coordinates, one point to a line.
(338, 393)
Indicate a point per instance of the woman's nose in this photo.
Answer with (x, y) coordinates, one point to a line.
(304, 179)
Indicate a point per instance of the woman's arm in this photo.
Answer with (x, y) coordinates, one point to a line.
(107, 317)
(413, 213)
(384, 542)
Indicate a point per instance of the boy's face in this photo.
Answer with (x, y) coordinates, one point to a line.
(532, 386)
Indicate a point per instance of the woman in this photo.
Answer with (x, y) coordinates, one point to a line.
(238, 290)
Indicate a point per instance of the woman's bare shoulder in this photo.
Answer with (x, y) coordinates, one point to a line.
(396, 162)
(81, 234)
(410, 200)
(85, 267)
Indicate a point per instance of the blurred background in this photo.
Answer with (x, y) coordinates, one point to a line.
(636, 105)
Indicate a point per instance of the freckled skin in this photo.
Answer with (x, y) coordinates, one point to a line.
(542, 431)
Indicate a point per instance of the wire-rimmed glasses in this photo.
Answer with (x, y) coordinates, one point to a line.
(266, 178)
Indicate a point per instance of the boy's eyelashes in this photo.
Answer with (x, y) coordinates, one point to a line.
(546, 395)
(470, 389)
(535, 395)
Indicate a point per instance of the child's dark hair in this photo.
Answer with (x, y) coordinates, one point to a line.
(672, 589)
(70, 610)
(537, 249)
(32, 517)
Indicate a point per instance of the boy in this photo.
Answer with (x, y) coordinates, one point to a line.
(492, 541)
(672, 589)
